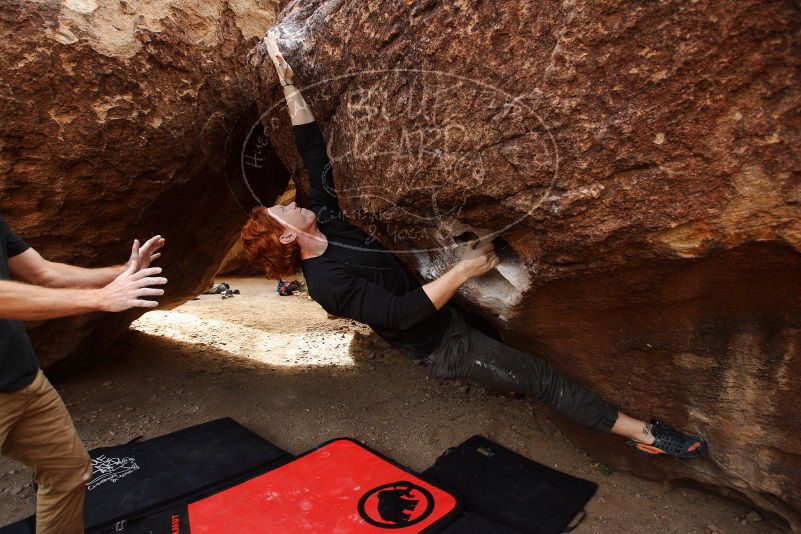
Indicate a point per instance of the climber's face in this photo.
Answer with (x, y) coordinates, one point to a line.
(293, 218)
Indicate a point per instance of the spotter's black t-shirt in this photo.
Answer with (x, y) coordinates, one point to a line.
(356, 277)
(18, 362)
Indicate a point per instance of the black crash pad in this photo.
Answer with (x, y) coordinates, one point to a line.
(509, 489)
(475, 524)
(133, 480)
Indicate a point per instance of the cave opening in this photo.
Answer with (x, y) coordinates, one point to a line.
(222, 320)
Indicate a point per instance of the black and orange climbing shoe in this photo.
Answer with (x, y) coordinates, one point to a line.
(668, 440)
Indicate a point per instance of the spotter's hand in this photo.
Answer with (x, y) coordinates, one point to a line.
(142, 257)
(133, 284)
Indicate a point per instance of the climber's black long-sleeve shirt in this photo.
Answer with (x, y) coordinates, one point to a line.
(356, 277)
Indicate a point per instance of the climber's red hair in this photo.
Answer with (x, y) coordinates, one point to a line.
(263, 248)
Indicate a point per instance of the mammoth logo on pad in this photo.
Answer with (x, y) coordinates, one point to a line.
(397, 505)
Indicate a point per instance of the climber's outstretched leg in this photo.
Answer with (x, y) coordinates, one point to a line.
(466, 352)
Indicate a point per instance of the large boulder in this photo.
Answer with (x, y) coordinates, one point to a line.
(640, 165)
(122, 120)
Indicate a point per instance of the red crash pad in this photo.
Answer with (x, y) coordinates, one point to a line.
(341, 487)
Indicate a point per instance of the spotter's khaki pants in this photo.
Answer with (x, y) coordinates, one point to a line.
(36, 430)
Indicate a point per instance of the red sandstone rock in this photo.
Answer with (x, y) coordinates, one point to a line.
(236, 263)
(642, 164)
(116, 123)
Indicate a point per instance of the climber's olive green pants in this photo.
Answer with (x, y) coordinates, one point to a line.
(36, 430)
(466, 352)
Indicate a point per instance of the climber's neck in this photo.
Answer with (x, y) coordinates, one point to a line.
(312, 244)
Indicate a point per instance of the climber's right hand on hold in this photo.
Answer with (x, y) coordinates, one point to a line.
(478, 258)
(282, 68)
(128, 289)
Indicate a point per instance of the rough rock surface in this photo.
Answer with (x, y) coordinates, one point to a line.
(642, 165)
(121, 120)
(236, 263)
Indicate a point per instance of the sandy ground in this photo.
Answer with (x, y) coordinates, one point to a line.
(281, 367)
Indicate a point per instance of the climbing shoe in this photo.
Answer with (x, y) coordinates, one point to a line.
(670, 441)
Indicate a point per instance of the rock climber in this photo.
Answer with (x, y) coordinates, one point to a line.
(35, 427)
(351, 275)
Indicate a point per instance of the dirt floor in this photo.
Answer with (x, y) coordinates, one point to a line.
(281, 367)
